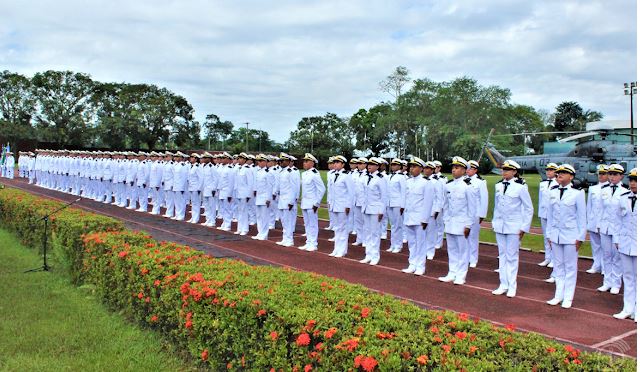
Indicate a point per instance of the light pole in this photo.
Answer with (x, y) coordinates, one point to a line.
(312, 138)
(246, 138)
(629, 90)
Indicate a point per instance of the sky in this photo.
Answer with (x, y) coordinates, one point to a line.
(271, 63)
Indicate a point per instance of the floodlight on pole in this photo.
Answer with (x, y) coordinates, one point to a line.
(630, 89)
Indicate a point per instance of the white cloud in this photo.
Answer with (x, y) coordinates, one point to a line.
(271, 63)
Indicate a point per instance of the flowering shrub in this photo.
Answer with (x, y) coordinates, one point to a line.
(230, 315)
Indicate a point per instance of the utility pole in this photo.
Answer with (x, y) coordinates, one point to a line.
(246, 138)
(629, 90)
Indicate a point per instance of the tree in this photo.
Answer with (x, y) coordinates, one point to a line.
(394, 83)
(569, 116)
(397, 123)
(64, 100)
(371, 132)
(216, 130)
(327, 135)
(17, 106)
(118, 113)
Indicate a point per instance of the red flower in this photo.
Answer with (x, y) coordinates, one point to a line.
(357, 361)
(188, 324)
(577, 361)
(350, 344)
(261, 312)
(406, 355)
(473, 349)
(308, 368)
(205, 355)
(154, 318)
(123, 254)
(422, 360)
(330, 332)
(140, 295)
(461, 335)
(446, 348)
(463, 316)
(274, 335)
(144, 271)
(156, 283)
(303, 339)
(510, 327)
(365, 312)
(551, 350)
(319, 346)
(369, 364)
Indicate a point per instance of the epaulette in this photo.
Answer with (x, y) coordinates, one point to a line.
(467, 181)
(520, 181)
(499, 182)
(435, 176)
(294, 168)
(479, 177)
(425, 177)
(380, 175)
(314, 170)
(625, 186)
(555, 187)
(607, 185)
(266, 169)
(449, 181)
(288, 169)
(626, 193)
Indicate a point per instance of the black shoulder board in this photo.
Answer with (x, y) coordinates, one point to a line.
(603, 186)
(499, 182)
(380, 175)
(449, 181)
(425, 177)
(626, 193)
(294, 168)
(625, 186)
(314, 170)
(266, 169)
(520, 181)
(435, 176)
(467, 181)
(555, 187)
(288, 169)
(479, 177)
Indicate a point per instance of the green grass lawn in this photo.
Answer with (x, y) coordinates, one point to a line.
(47, 324)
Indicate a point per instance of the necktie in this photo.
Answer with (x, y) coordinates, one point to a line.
(506, 184)
(370, 177)
(562, 190)
(335, 179)
(633, 202)
(613, 189)
(549, 183)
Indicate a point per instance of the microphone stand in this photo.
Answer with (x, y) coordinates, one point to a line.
(45, 238)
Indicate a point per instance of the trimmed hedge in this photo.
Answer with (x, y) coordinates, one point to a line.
(230, 315)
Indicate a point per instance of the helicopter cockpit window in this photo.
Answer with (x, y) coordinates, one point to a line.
(593, 167)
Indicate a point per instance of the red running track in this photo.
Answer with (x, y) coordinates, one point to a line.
(589, 324)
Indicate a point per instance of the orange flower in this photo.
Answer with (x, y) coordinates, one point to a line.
(205, 355)
(140, 295)
(463, 316)
(188, 324)
(303, 339)
(365, 312)
(274, 335)
(330, 332)
(473, 349)
(308, 368)
(261, 312)
(357, 361)
(350, 344)
(156, 283)
(461, 335)
(154, 318)
(319, 346)
(123, 254)
(510, 327)
(551, 350)
(446, 348)
(422, 360)
(369, 364)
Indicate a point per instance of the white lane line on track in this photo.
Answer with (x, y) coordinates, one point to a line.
(614, 339)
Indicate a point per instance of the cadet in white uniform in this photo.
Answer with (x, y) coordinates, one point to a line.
(543, 203)
(180, 185)
(609, 222)
(142, 182)
(417, 214)
(594, 210)
(438, 202)
(512, 216)
(330, 172)
(439, 237)
(244, 192)
(195, 183)
(167, 182)
(375, 203)
(313, 190)
(263, 195)
(289, 191)
(480, 186)
(626, 241)
(132, 189)
(226, 187)
(359, 179)
(342, 201)
(209, 188)
(397, 194)
(566, 230)
(460, 212)
(155, 182)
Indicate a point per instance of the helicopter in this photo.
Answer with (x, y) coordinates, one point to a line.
(603, 142)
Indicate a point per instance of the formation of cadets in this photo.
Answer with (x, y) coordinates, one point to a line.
(364, 198)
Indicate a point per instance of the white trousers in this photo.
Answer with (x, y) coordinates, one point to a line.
(196, 203)
(509, 256)
(227, 212)
(548, 254)
(169, 200)
(565, 265)
(611, 265)
(372, 241)
(262, 221)
(288, 220)
(243, 215)
(596, 250)
(439, 237)
(430, 238)
(474, 242)
(210, 204)
(158, 199)
(143, 198)
(310, 227)
(396, 227)
(358, 223)
(458, 252)
(341, 227)
(132, 192)
(384, 224)
(417, 248)
(630, 279)
(180, 202)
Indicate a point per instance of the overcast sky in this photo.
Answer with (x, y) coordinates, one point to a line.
(271, 63)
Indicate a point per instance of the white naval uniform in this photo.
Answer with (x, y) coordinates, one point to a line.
(459, 212)
(330, 177)
(418, 210)
(480, 186)
(289, 183)
(10, 163)
(209, 189)
(397, 184)
(625, 238)
(342, 197)
(313, 190)
(142, 182)
(566, 224)
(439, 237)
(167, 187)
(225, 191)
(264, 188)
(274, 212)
(155, 184)
(180, 188)
(244, 193)
(375, 203)
(543, 202)
(608, 224)
(195, 183)
(107, 180)
(594, 210)
(433, 240)
(358, 218)
(512, 214)
(132, 189)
